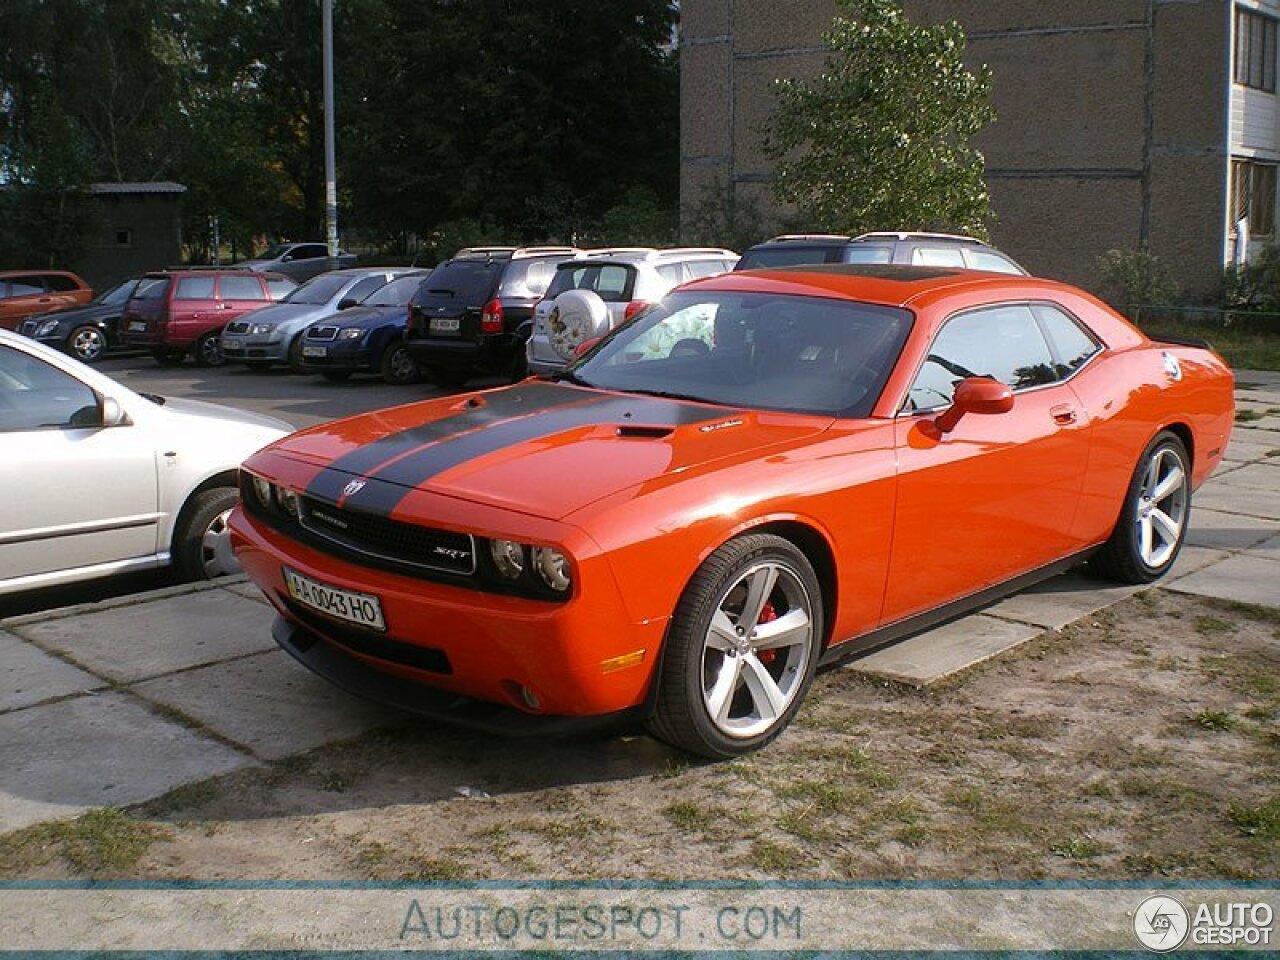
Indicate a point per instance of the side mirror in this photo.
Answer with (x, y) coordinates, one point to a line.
(586, 346)
(346, 303)
(975, 395)
(113, 414)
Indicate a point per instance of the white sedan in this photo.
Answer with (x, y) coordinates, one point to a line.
(97, 480)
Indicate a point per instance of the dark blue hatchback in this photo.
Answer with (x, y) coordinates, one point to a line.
(368, 338)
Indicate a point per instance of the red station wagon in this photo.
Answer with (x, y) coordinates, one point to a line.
(186, 313)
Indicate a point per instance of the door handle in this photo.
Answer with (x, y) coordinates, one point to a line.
(1063, 413)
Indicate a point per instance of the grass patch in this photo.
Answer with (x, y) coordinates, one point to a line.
(773, 857)
(577, 827)
(1249, 416)
(98, 842)
(1254, 611)
(1208, 626)
(1261, 821)
(1215, 720)
(820, 795)
(184, 797)
(912, 836)
(428, 869)
(1077, 848)
(689, 816)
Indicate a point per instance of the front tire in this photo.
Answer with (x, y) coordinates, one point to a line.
(209, 351)
(87, 344)
(398, 367)
(741, 650)
(201, 539)
(294, 358)
(1153, 522)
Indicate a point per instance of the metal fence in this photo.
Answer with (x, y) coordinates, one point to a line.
(1148, 316)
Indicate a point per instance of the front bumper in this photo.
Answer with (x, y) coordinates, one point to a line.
(240, 347)
(584, 657)
(340, 355)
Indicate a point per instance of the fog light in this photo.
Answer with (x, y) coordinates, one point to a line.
(508, 557)
(552, 567)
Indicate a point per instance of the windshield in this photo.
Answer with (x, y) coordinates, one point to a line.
(117, 294)
(768, 351)
(318, 290)
(397, 293)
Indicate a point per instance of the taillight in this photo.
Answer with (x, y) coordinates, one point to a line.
(634, 307)
(491, 317)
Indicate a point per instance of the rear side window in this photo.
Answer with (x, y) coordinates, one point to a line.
(704, 268)
(868, 254)
(788, 256)
(1072, 346)
(467, 283)
(61, 284)
(194, 288)
(311, 251)
(242, 288)
(990, 260)
(938, 257)
(527, 279)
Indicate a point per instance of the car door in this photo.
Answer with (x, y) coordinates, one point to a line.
(72, 492)
(996, 496)
(239, 294)
(23, 296)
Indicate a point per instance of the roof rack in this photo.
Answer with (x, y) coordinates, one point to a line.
(915, 235)
(483, 251)
(543, 251)
(808, 236)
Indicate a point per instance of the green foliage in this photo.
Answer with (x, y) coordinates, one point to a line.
(1136, 277)
(1256, 284)
(880, 139)
(720, 217)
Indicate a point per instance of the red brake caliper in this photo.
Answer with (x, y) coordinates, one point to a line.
(767, 615)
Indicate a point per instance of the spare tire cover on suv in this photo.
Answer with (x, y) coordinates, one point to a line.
(576, 316)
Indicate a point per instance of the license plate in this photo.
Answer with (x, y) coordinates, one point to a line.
(231, 346)
(360, 608)
(137, 325)
(309, 351)
(444, 324)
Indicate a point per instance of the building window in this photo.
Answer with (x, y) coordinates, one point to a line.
(1253, 195)
(124, 238)
(1255, 50)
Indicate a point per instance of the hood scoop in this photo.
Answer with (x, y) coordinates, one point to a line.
(636, 431)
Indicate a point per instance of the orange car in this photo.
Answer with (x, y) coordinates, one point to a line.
(24, 292)
(767, 472)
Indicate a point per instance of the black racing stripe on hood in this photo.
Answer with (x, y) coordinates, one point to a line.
(503, 405)
(417, 469)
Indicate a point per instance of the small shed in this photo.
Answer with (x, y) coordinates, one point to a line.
(137, 227)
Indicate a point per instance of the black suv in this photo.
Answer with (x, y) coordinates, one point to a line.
(920, 249)
(473, 314)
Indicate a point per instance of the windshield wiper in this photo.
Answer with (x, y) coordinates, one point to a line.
(665, 394)
(568, 376)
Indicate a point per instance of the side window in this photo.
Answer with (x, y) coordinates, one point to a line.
(239, 288)
(671, 273)
(989, 260)
(25, 287)
(1000, 342)
(858, 253)
(938, 257)
(704, 268)
(611, 282)
(310, 251)
(194, 288)
(363, 288)
(279, 287)
(1072, 346)
(527, 279)
(37, 396)
(61, 284)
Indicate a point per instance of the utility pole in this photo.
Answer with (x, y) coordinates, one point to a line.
(330, 163)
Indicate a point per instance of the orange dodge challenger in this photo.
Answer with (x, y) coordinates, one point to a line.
(766, 472)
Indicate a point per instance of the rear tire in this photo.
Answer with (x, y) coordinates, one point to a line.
(201, 540)
(398, 367)
(209, 351)
(1153, 521)
(730, 682)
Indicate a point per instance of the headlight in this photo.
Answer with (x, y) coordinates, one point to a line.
(260, 329)
(508, 557)
(262, 490)
(552, 567)
(288, 501)
(46, 328)
(350, 333)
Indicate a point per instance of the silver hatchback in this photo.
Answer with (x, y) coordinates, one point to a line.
(599, 289)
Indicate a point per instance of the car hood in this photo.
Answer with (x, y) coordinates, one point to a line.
(281, 313)
(542, 449)
(215, 411)
(80, 314)
(367, 316)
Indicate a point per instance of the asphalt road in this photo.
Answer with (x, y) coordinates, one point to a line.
(301, 401)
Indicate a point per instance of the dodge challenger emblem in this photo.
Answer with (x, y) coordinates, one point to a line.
(352, 488)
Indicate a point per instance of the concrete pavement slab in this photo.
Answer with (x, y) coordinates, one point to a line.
(1233, 498)
(930, 656)
(1227, 531)
(1242, 577)
(107, 749)
(1256, 476)
(248, 590)
(1059, 601)
(268, 703)
(28, 675)
(1269, 549)
(1240, 451)
(138, 641)
(1251, 434)
(1191, 559)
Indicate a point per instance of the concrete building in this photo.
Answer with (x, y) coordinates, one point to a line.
(1121, 123)
(136, 227)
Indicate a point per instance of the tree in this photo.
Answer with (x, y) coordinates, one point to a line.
(880, 139)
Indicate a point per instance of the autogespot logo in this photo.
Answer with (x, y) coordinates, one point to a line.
(1161, 923)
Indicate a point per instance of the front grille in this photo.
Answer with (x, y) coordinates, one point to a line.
(402, 544)
(238, 326)
(322, 333)
(374, 645)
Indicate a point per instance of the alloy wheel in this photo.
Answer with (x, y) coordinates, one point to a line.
(88, 344)
(756, 650)
(216, 556)
(1162, 507)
